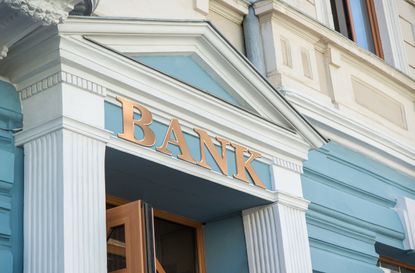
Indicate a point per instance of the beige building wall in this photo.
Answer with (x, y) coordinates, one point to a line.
(227, 16)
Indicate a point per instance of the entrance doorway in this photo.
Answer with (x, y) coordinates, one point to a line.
(141, 239)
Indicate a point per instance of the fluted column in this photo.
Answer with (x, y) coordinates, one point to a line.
(64, 203)
(277, 238)
(276, 235)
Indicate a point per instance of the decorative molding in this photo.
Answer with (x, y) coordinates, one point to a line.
(85, 84)
(45, 11)
(406, 211)
(310, 29)
(40, 86)
(206, 42)
(344, 187)
(373, 174)
(60, 77)
(294, 202)
(342, 251)
(384, 147)
(31, 134)
(353, 221)
(232, 14)
(298, 168)
(379, 103)
(344, 228)
(277, 239)
(64, 232)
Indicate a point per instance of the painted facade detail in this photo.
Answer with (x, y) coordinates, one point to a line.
(353, 207)
(298, 158)
(174, 136)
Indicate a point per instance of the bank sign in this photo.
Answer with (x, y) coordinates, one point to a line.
(134, 122)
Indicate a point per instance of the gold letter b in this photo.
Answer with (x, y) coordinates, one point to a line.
(129, 123)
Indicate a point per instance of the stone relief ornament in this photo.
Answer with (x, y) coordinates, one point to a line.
(45, 11)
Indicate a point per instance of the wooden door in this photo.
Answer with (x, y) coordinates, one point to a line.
(125, 239)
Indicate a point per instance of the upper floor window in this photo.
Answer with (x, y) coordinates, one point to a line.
(356, 19)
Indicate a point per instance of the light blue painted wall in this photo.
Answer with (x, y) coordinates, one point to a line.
(192, 72)
(11, 183)
(352, 200)
(113, 123)
(225, 248)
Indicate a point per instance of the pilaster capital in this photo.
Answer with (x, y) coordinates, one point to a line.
(62, 123)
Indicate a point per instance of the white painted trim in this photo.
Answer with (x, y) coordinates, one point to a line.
(406, 211)
(384, 147)
(31, 134)
(64, 204)
(276, 237)
(289, 165)
(229, 9)
(198, 33)
(391, 34)
(324, 14)
(312, 29)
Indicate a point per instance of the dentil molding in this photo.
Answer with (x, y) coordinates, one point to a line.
(61, 77)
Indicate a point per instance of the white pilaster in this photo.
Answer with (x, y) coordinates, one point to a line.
(276, 235)
(64, 188)
(277, 238)
(64, 201)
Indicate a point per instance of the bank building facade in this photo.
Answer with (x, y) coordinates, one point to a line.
(207, 136)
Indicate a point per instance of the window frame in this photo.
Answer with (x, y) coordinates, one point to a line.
(374, 27)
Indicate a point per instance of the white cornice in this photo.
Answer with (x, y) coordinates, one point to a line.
(232, 10)
(382, 145)
(308, 27)
(201, 38)
(285, 199)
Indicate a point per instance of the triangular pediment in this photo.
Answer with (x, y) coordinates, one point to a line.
(195, 54)
(190, 70)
